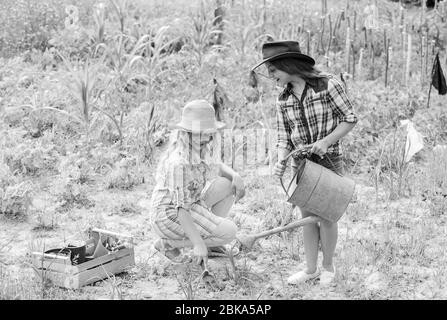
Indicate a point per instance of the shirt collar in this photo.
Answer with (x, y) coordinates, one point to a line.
(317, 85)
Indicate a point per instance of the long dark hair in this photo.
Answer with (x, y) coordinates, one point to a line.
(299, 67)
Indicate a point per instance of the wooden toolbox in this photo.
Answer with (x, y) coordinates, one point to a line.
(61, 272)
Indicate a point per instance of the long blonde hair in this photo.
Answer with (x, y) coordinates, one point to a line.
(180, 151)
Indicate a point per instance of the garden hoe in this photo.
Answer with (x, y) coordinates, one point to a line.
(209, 278)
(247, 241)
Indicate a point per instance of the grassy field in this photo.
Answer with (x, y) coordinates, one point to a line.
(86, 95)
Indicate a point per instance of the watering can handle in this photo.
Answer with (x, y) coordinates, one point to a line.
(305, 150)
(291, 180)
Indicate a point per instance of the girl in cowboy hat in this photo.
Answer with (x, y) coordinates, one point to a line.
(312, 109)
(194, 191)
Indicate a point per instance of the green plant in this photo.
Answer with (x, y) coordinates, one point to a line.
(99, 18)
(31, 159)
(125, 175)
(15, 288)
(15, 200)
(76, 168)
(120, 9)
(116, 98)
(75, 44)
(156, 54)
(392, 164)
(82, 83)
(241, 274)
(44, 286)
(70, 194)
(201, 31)
(115, 290)
(103, 158)
(244, 34)
(145, 130)
(434, 181)
(6, 176)
(126, 208)
(27, 25)
(85, 91)
(188, 281)
(46, 221)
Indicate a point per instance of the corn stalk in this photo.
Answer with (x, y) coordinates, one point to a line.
(99, 19)
(202, 30)
(83, 87)
(155, 50)
(120, 8)
(124, 72)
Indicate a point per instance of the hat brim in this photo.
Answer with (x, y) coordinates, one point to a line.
(219, 125)
(296, 55)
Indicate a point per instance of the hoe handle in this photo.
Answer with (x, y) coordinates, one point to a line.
(292, 225)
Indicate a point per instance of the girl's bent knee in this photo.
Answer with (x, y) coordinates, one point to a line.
(219, 189)
(226, 230)
(224, 185)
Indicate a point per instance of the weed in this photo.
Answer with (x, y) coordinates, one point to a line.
(188, 281)
(71, 194)
(124, 175)
(120, 10)
(31, 158)
(15, 200)
(201, 32)
(434, 182)
(127, 208)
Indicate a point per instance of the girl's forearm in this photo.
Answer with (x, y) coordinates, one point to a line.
(189, 227)
(282, 153)
(339, 132)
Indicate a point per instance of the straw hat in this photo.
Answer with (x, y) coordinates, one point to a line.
(282, 49)
(198, 116)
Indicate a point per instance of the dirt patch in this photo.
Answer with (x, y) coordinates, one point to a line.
(382, 247)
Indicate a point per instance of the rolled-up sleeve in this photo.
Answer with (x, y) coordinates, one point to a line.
(176, 183)
(284, 131)
(340, 103)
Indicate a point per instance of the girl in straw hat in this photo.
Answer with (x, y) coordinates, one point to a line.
(313, 109)
(194, 191)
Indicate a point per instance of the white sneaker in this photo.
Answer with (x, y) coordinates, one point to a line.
(302, 276)
(327, 277)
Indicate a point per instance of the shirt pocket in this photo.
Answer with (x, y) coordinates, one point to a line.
(288, 111)
(317, 108)
(292, 113)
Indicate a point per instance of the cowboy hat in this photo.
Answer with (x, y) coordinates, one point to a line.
(198, 116)
(282, 49)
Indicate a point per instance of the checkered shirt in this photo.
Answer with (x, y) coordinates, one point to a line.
(182, 184)
(314, 117)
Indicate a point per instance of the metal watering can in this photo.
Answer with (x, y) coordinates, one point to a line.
(317, 189)
(313, 188)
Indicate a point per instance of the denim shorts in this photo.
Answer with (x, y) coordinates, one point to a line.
(333, 162)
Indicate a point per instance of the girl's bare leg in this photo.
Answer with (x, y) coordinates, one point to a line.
(328, 236)
(311, 237)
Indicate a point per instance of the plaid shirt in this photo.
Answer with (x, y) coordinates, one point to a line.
(322, 107)
(182, 184)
